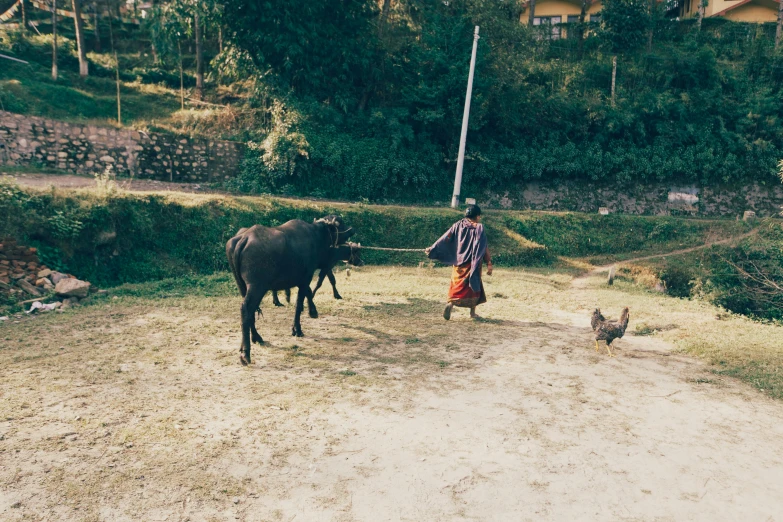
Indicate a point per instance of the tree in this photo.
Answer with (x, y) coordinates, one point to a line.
(700, 13)
(779, 32)
(169, 22)
(532, 13)
(79, 26)
(96, 28)
(586, 4)
(24, 16)
(625, 24)
(651, 29)
(318, 48)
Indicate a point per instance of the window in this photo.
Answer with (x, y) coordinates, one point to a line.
(595, 19)
(573, 22)
(553, 22)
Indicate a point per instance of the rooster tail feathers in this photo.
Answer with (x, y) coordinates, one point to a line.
(624, 318)
(596, 318)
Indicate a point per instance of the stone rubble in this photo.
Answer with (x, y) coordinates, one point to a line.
(23, 278)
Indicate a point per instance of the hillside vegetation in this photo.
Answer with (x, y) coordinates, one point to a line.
(363, 99)
(114, 237)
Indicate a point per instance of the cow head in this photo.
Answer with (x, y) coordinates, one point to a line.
(339, 232)
(355, 259)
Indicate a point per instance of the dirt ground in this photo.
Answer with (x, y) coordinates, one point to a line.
(136, 408)
(70, 181)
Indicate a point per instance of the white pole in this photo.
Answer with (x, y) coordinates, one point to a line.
(465, 115)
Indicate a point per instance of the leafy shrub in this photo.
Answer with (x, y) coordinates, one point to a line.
(748, 278)
(678, 280)
(64, 226)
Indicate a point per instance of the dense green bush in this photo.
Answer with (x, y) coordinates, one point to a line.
(117, 238)
(383, 120)
(123, 237)
(748, 278)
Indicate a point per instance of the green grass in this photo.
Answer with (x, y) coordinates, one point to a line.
(30, 90)
(603, 239)
(149, 93)
(160, 235)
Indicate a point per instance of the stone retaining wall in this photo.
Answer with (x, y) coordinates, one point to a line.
(88, 149)
(765, 200)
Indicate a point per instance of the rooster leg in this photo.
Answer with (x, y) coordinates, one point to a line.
(596, 345)
(609, 350)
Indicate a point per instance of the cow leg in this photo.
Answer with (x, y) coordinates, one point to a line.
(254, 335)
(296, 330)
(330, 275)
(304, 292)
(275, 300)
(249, 306)
(311, 310)
(288, 295)
(321, 276)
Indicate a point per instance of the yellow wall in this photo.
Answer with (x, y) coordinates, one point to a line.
(559, 8)
(752, 13)
(757, 11)
(716, 6)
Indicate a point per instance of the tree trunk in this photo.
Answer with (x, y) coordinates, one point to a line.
(97, 31)
(385, 7)
(199, 58)
(779, 33)
(24, 16)
(54, 40)
(652, 26)
(79, 25)
(614, 77)
(155, 59)
(116, 70)
(181, 77)
(119, 101)
(220, 39)
(582, 15)
(700, 14)
(532, 12)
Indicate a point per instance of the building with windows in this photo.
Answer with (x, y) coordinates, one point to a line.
(554, 13)
(758, 11)
(560, 13)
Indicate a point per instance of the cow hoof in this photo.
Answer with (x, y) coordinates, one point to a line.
(313, 314)
(257, 339)
(338, 296)
(297, 333)
(278, 304)
(243, 360)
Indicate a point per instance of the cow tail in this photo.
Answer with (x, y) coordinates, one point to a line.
(235, 247)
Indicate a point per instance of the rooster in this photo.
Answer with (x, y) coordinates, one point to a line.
(608, 330)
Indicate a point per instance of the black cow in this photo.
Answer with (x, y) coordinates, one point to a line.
(267, 259)
(324, 273)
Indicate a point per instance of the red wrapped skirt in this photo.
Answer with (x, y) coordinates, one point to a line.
(460, 293)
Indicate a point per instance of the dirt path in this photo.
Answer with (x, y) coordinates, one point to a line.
(733, 239)
(139, 185)
(137, 409)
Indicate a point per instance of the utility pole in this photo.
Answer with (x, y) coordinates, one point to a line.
(465, 116)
